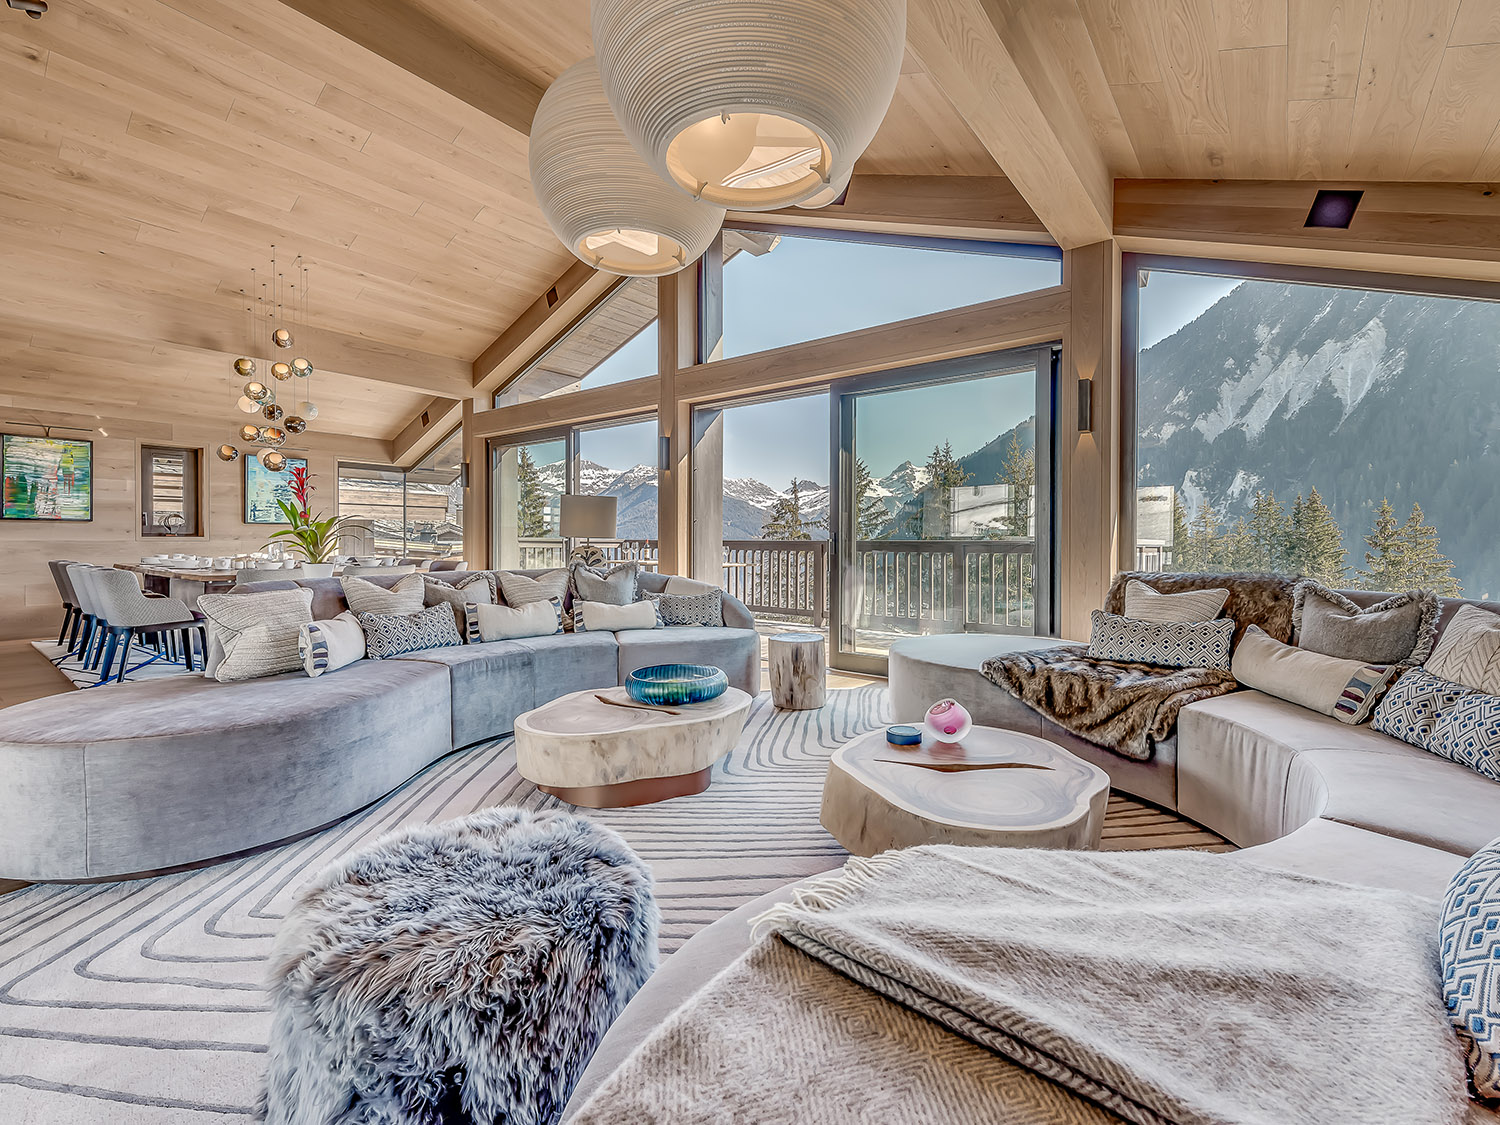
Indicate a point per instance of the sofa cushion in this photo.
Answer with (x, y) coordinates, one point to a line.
(706, 608)
(1398, 630)
(592, 617)
(491, 683)
(612, 585)
(508, 623)
(470, 589)
(327, 646)
(1142, 603)
(1469, 957)
(254, 635)
(1409, 794)
(1468, 733)
(391, 634)
(1468, 652)
(1330, 850)
(1234, 754)
(1177, 644)
(520, 589)
(567, 662)
(1415, 705)
(1346, 690)
(404, 596)
(737, 651)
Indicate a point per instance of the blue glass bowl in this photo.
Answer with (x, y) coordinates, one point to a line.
(664, 685)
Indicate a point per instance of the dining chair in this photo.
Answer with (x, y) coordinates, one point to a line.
(447, 564)
(376, 571)
(91, 634)
(71, 612)
(129, 614)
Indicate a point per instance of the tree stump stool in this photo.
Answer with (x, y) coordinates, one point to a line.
(799, 671)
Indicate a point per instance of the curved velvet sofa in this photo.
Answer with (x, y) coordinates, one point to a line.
(138, 778)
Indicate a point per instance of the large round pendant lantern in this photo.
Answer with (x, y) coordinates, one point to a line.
(600, 198)
(828, 194)
(750, 104)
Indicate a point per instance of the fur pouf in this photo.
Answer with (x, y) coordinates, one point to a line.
(458, 972)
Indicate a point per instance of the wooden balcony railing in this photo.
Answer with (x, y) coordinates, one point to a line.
(947, 585)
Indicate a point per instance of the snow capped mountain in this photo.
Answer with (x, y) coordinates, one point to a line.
(751, 491)
(1363, 395)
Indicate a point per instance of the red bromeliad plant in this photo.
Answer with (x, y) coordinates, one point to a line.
(315, 539)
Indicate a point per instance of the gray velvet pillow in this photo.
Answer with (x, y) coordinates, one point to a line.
(615, 586)
(1398, 630)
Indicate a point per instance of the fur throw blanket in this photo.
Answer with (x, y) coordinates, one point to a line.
(1126, 708)
(1254, 599)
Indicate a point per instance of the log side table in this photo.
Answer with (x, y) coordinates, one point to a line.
(799, 671)
(1000, 788)
(610, 755)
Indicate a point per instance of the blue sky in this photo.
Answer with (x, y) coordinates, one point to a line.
(808, 288)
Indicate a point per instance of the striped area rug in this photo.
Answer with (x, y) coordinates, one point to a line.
(139, 1003)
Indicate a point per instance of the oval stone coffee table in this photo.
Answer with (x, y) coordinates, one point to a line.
(609, 755)
(999, 788)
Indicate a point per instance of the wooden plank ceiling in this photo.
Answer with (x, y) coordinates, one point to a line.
(152, 150)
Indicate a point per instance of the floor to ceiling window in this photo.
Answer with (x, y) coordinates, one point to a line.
(1351, 434)
(416, 513)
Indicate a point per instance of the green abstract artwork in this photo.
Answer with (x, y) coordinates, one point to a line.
(46, 478)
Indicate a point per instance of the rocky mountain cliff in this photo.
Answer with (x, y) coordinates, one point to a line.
(1362, 395)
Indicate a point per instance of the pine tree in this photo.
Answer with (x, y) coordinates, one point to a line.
(1427, 568)
(1182, 544)
(1205, 533)
(1268, 534)
(1019, 473)
(870, 514)
(531, 506)
(1386, 565)
(785, 518)
(1316, 545)
(933, 518)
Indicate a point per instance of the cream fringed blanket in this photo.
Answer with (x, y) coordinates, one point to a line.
(1168, 988)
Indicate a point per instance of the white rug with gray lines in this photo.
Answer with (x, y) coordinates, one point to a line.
(140, 1003)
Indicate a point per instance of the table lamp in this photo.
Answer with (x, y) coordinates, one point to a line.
(588, 518)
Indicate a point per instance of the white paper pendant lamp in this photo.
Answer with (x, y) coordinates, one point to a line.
(601, 199)
(750, 104)
(824, 196)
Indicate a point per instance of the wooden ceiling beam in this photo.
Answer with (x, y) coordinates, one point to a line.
(420, 45)
(991, 59)
(567, 298)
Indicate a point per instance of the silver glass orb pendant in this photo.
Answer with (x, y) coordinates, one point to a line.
(282, 337)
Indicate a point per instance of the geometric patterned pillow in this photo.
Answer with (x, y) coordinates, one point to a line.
(690, 609)
(391, 634)
(1180, 644)
(1469, 958)
(1412, 708)
(1468, 733)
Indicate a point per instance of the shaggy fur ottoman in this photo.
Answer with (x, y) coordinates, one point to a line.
(458, 972)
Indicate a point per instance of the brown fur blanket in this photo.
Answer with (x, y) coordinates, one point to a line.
(1254, 599)
(1122, 707)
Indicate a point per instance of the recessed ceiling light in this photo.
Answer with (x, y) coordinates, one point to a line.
(1333, 209)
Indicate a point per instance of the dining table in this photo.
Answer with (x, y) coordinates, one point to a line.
(187, 584)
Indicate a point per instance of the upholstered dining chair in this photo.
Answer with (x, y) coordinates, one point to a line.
(447, 564)
(80, 577)
(71, 612)
(376, 571)
(129, 613)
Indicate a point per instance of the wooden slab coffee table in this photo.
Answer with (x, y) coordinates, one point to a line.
(604, 755)
(1000, 788)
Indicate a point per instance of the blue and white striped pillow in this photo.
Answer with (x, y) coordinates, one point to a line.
(327, 646)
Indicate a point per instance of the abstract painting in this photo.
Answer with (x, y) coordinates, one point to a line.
(46, 478)
(264, 488)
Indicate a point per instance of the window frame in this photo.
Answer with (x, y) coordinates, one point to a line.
(192, 491)
(1131, 264)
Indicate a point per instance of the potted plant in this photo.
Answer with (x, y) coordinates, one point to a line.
(315, 539)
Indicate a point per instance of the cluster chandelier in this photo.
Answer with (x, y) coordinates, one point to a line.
(692, 107)
(268, 305)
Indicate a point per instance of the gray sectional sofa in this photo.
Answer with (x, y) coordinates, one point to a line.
(139, 778)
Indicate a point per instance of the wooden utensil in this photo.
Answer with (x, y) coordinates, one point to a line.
(636, 706)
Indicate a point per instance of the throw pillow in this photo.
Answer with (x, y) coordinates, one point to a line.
(254, 635)
(364, 596)
(614, 586)
(1412, 708)
(1468, 652)
(1142, 603)
(477, 588)
(520, 589)
(1178, 644)
(1469, 959)
(391, 634)
(1468, 732)
(327, 646)
(595, 617)
(1345, 689)
(1398, 630)
(504, 623)
(690, 609)
(677, 584)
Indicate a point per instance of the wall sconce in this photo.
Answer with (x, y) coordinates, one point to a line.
(463, 475)
(664, 453)
(1085, 406)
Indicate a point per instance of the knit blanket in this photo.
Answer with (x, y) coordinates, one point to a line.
(1155, 988)
(1123, 707)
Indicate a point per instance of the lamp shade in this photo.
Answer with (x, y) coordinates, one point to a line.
(588, 517)
(600, 198)
(750, 104)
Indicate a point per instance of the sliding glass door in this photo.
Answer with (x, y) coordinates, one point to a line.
(943, 487)
(527, 479)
